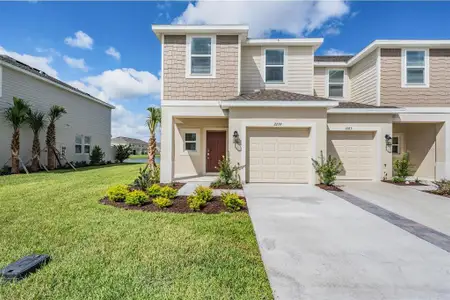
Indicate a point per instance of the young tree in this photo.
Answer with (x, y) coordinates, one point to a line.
(16, 116)
(55, 113)
(153, 120)
(36, 121)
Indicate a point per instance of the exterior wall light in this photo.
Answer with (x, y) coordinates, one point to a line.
(236, 138)
(388, 140)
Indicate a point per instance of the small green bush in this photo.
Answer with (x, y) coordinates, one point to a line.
(162, 202)
(168, 192)
(136, 198)
(97, 155)
(122, 152)
(443, 187)
(401, 166)
(397, 179)
(195, 202)
(232, 201)
(228, 174)
(327, 169)
(117, 193)
(154, 190)
(204, 193)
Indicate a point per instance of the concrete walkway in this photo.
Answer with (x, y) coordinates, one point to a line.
(427, 209)
(316, 245)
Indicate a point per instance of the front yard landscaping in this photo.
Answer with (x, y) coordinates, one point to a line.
(101, 252)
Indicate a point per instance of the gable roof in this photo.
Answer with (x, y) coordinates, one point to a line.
(278, 95)
(128, 140)
(18, 65)
(332, 58)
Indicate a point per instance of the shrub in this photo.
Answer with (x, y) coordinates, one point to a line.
(162, 202)
(154, 174)
(327, 169)
(168, 192)
(136, 198)
(117, 193)
(97, 155)
(154, 190)
(204, 193)
(443, 187)
(397, 179)
(195, 202)
(228, 174)
(122, 152)
(401, 166)
(232, 201)
(146, 177)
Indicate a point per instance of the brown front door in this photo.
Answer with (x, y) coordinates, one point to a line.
(215, 149)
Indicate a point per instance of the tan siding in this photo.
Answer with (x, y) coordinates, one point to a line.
(319, 81)
(299, 70)
(392, 93)
(83, 117)
(178, 87)
(363, 78)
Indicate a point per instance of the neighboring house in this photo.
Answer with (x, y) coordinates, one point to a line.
(272, 105)
(137, 146)
(86, 124)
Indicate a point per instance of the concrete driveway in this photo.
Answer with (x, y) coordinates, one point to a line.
(427, 209)
(316, 245)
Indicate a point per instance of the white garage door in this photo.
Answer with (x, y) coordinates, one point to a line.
(357, 152)
(278, 155)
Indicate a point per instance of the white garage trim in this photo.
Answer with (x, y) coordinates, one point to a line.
(284, 124)
(378, 142)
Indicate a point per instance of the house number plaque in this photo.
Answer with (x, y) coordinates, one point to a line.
(278, 124)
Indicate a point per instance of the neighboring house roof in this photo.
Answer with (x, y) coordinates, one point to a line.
(9, 61)
(332, 58)
(127, 140)
(348, 104)
(278, 95)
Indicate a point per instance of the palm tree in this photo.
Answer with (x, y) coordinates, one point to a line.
(153, 120)
(16, 116)
(55, 113)
(36, 121)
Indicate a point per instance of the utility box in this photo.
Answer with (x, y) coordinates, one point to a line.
(24, 266)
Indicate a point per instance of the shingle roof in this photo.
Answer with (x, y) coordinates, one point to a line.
(332, 58)
(129, 140)
(11, 61)
(278, 95)
(348, 104)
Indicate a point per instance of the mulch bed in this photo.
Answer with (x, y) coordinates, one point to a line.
(224, 187)
(179, 206)
(175, 185)
(434, 193)
(329, 187)
(404, 183)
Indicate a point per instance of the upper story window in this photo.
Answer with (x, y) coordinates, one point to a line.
(415, 68)
(336, 83)
(274, 65)
(201, 56)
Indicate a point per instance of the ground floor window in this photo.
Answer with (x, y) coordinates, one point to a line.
(190, 141)
(78, 144)
(397, 140)
(82, 144)
(87, 144)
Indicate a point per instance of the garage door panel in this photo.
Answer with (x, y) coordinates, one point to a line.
(284, 153)
(356, 150)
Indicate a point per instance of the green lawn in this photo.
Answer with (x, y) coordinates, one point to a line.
(101, 252)
(141, 156)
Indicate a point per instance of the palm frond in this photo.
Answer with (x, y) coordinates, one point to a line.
(154, 118)
(56, 113)
(36, 120)
(16, 114)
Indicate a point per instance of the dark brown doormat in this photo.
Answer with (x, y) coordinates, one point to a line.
(329, 187)
(179, 206)
(410, 183)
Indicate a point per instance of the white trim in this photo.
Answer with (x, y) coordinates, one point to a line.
(285, 56)
(378, 77)
(159, 30)
(239, 68)
(378, 140)
(196, 103)
(162, 68)
(204, 133)
(183, 132)
(426, 68)
(344, 84)
(312, 73)
(426, 110)
(365, 110)
(401, 144)
(285, 124)
(212, 56)
(57, 85)
(330, 64)
(269, 103)
(314, 42)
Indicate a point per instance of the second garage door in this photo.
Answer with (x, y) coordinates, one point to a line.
(357, 152)
(278, 155)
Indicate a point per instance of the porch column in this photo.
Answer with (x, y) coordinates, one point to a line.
(442, 150)
(166, 154)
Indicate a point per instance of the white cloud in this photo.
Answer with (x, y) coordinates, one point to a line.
(81, 40)
(127, 123)
(293, 17)
(38, 62)
(333, 51)
(51, 51)
(113, 52)
(76, 63)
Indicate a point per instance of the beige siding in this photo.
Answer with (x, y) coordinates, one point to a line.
(319, 81)
(84, 117)
(178, 87)
(363, 78)
(298, 64)
(438, 93)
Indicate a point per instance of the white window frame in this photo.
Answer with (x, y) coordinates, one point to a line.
(426, 75)
(85, 144)
(400, 144)
(344, 83)
(189, 55)
(79, 144)
(197, 141)
(284, 65)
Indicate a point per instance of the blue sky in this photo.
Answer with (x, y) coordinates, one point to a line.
(43, 34)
